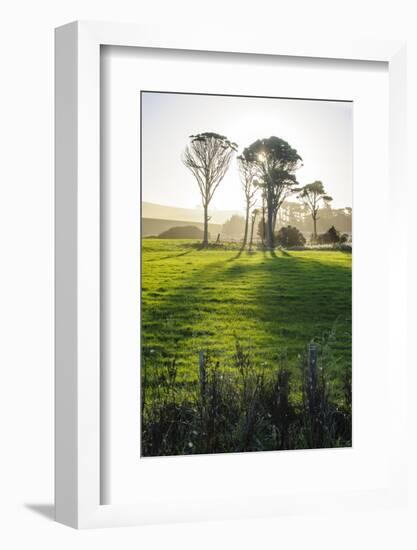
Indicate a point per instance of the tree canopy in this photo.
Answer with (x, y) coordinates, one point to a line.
(208, 157)
(314, 196)
(275, 162)
(313, 193)
(272, 152)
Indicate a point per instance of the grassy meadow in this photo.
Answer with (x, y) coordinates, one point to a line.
(274, 303)
(252, 314)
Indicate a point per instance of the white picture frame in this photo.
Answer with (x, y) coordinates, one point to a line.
(77, 242)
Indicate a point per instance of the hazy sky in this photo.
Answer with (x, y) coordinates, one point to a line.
(321, 131)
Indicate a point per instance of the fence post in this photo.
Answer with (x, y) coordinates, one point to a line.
(312, 368)
(202, 375)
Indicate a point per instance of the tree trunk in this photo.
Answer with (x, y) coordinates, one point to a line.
(314, 228)
(274, 221)
(245, 237)
(251, 232)
(205, 236)
(270, 229)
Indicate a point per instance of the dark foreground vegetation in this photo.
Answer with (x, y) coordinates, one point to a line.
(238, 407)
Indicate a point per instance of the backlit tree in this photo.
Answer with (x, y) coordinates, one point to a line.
(314, 197)
(275, 162)
(208, 157)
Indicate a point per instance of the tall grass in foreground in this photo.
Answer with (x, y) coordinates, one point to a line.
(244, 408)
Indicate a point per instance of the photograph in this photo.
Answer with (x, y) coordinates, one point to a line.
(246, 273)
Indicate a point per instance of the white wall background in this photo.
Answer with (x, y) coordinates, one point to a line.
(26, 268)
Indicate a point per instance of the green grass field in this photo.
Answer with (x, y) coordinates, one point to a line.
(273, 303)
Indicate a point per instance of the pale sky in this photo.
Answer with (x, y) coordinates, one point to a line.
(321, 131)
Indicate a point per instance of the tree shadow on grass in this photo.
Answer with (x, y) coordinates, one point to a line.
(301, 295)
(238, 255)
(251, 252)
(170, 256)
(283, 252)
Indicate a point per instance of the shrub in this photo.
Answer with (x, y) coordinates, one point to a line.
(344, 247)
(184, 232)
(331, 236)
(289, 236)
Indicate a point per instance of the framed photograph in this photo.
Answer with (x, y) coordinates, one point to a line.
(225, 333)
(246, 294)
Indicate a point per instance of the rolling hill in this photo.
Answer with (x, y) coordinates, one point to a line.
(162, 212)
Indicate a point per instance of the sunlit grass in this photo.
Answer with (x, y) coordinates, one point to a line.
(202, 300)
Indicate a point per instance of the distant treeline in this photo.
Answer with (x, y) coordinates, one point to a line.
(290, 213)
(296, 214)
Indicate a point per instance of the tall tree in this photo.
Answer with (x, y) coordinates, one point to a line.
(254, 214)
(262, 222)
(275, 162)
(208, 157)
(314, 196)
(247, 172)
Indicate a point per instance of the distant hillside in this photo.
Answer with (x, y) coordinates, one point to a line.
(153, 227)
(157, 218)
(161, 212)
(183, 232)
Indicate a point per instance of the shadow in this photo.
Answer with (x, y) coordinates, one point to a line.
(173, 255)
(45, 510)
(280, 301)
(271, 252)
(178, 255)
(249, 252)
(282, 251)
(238, 255)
